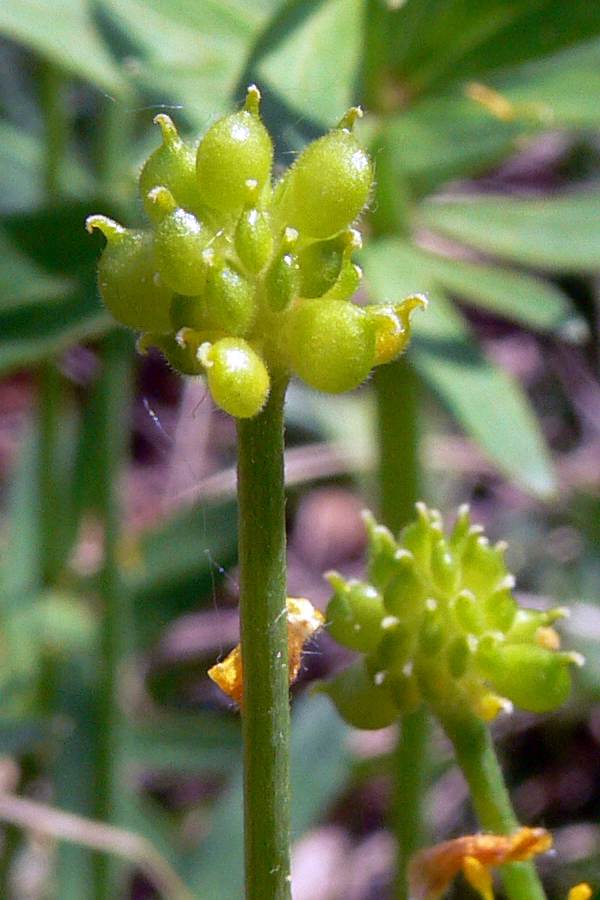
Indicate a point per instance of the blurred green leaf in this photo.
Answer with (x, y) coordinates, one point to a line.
(559, 233)
(186, 743)
(442, 138)
(65, 33)
(188, 52)
(321, 761)
(176, 564)
(513, 294)
(562, 91)
(433, 43)
(21, 168)
(510, 293)
(489, 403)
(37, 333)
(55, 236)
(73, 774)
(20, 569)
(313, 58)
(23, 283)
(19, 735)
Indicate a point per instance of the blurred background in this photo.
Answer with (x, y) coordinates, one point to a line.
(117, 477)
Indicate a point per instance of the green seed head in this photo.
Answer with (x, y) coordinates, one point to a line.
(451, 630)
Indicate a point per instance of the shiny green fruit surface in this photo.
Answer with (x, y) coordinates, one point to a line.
(331, 344)
(328, 186)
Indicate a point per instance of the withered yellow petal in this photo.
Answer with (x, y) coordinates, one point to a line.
(303, 621)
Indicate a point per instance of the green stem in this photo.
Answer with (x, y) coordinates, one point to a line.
(56, 124)
(266, 713)
(116, 634)
(397, 404)
(399, 471)
(477, 758)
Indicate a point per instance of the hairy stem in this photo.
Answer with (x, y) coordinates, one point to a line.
(477, 758)
(266, 714)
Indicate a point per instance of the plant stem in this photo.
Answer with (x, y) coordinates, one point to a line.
(56, 123)
(397, 390)
(263, 622)
(116, 635)
(397, 405)
(477, 758)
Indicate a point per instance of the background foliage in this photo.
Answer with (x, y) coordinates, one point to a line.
(490, 206)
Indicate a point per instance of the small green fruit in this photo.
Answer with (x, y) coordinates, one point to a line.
(354, 614)
(234, 158)
(128, 277)
(532, 677)
(189, 312)
(331, 344)
(329, 184)
(360, 699)
(320, 266)
(282, 281)
(237, 377)
(179, 242)
(253, 239)
(229, 297)
(172, 166)
(180, 356)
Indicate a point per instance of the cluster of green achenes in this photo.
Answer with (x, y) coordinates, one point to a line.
(240, 278)
(437, 621)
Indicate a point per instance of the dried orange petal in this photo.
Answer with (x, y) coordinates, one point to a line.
(431, 870)
(303, 621)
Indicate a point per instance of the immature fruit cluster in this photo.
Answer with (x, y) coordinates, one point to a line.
(239, 279)
(437, 621)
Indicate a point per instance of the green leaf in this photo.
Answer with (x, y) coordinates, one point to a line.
(313, 60)
(177, 564)
(64, 31)
(433, 43)
(560, 233)
(36, 333)
(512, 294)
(488, 402)
(23, 283)
(191, 53)
(321, 761)
(186, 743)
(73, 774)
(21, 166)
(563, 91)
(441, 139)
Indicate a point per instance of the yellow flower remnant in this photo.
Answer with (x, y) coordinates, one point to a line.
(303, 622)
(580, 892)
(433, 869)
